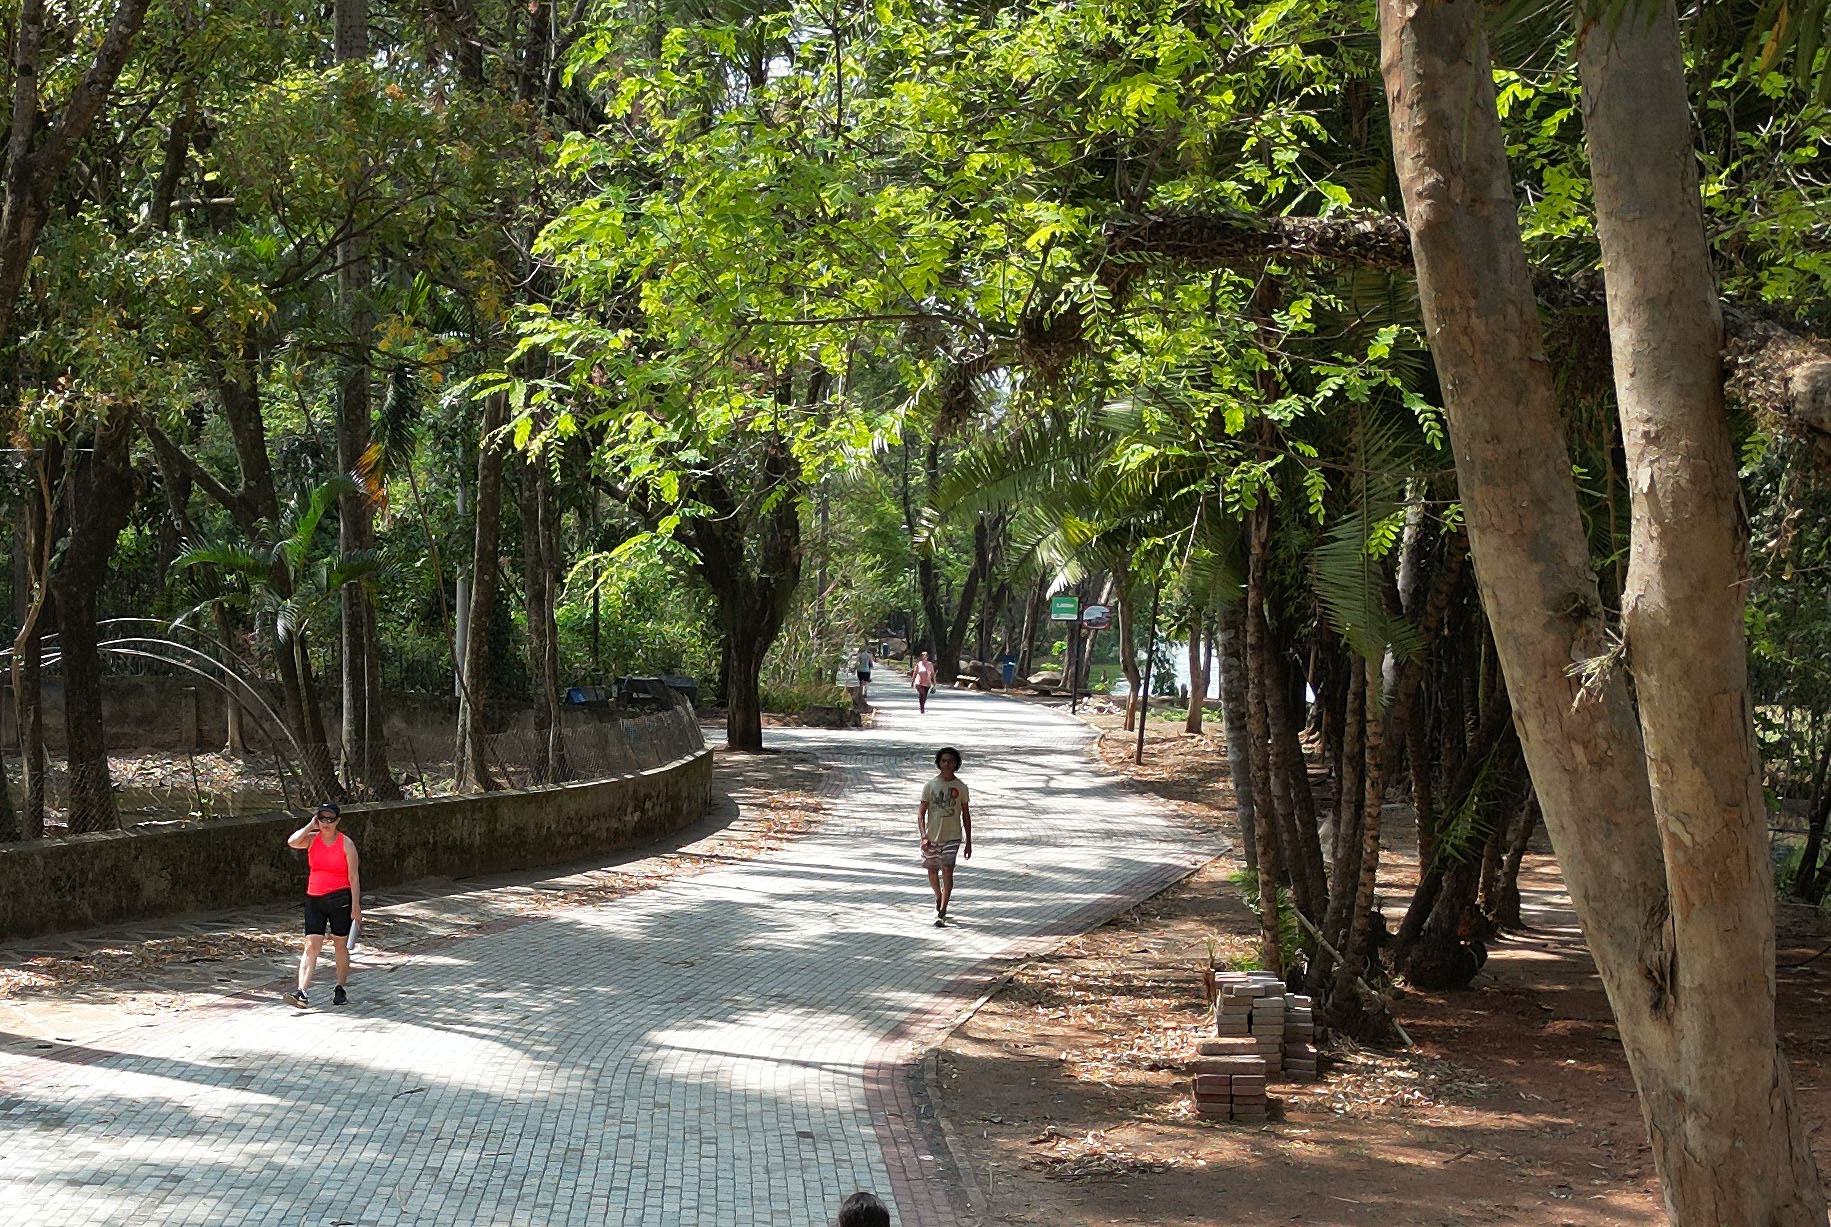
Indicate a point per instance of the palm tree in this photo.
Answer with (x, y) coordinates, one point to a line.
(289, 580)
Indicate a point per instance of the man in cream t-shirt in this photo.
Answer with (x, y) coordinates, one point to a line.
(945, 824)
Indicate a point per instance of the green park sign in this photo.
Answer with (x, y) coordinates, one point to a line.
(1064, 608)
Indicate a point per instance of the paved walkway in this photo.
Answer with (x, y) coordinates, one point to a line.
(731, 1049)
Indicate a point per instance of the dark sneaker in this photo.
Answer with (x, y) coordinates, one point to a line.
(340, 997)
(298, 999)
(940, 922)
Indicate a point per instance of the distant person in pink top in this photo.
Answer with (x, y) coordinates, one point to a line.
(333, 898)
(922, 677)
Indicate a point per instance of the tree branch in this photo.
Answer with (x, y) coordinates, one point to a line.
(1770, 366)
(173, 457)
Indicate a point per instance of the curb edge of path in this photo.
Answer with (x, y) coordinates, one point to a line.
(901, 1075)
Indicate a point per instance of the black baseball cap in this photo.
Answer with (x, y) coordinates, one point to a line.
(329, 807)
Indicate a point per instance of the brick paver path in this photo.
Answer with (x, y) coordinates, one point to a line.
(732, 1049)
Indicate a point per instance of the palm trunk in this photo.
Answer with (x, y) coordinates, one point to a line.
(1266, 804)
(1345, 847)
(319, 771)
(1503, 906)
(1304, 848)
(1033, 614)
(1356, 950)
(1286, 775)
(234, 741)
(1128, 655)
(1198, 677)
(1235, 726)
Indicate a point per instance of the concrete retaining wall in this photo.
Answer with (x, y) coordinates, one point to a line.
(151, 712)
(83, 880)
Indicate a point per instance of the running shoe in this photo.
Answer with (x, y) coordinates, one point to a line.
(298, 999)
(340, 997)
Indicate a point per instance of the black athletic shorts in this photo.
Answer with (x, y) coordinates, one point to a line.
(328, 911)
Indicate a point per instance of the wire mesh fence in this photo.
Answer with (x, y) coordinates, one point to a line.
(158, 786)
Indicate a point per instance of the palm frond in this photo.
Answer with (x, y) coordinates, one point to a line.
(1349, 574)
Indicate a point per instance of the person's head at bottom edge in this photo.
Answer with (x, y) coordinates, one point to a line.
(863, 1210)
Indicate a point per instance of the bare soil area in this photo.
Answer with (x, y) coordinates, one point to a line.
(1516, 1105)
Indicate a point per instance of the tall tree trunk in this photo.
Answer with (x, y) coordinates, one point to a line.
(744, 689)
(1805, 877)
(92, 806)
(945, 633)
(1308, 873)
(538, 577)
(298, 687)
(1198, 676)
(467, 47)
(1357, 950)
(1266, 801)
(1299, 852)
(1696, 1023)
(1350, 808)
(1231, 632)
(1126, 628)
(1732, 1146)
(1503, 906)
(99, 500)
(10, 827)
(1033, 616)
(473, 702)
(28, 662)
(234, 740)
(752, 570)
(365, 743)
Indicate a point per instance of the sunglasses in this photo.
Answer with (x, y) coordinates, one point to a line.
(328, 817)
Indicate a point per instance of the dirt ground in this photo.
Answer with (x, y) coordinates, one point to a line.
(1515, 1106)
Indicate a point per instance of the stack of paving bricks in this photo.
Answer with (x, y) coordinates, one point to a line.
(1299, 1038)
(1235, 1097)
(1260, 1032)
(1254, 1015)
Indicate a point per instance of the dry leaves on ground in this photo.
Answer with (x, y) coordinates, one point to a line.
(1363, 1082)
(769, 819)
(137, 960)
(1093, 1158)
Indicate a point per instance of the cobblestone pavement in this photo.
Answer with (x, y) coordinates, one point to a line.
(734, 1048)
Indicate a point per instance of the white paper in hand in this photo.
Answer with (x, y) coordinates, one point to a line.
(351, 943)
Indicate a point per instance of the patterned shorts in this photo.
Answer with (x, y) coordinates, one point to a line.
(941, 855)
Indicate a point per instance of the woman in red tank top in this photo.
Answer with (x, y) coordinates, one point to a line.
(333, 898)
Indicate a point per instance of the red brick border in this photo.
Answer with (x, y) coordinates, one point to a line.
(926, 1182)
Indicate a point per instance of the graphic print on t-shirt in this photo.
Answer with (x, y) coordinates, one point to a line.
(946, 799)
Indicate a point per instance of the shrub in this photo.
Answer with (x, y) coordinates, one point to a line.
(786, 700)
